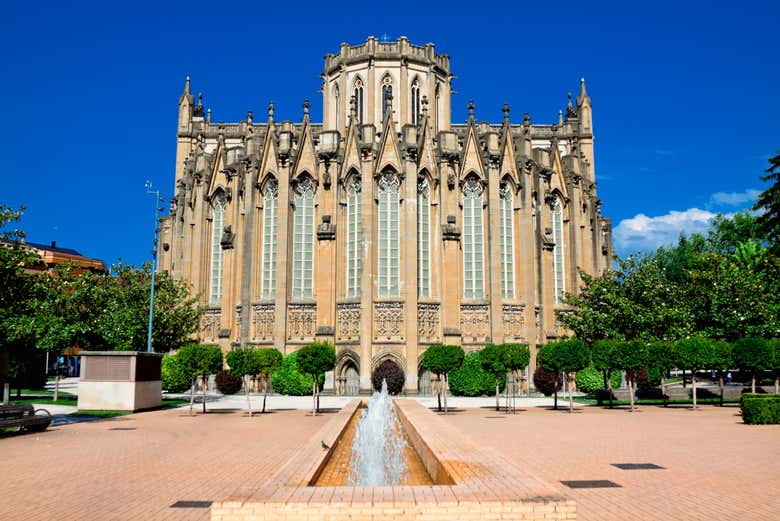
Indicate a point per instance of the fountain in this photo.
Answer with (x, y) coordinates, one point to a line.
(378, 448)
(394, 459)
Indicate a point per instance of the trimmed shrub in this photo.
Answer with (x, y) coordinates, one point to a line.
(227, 383)
(544, 381)
(392, 374)
(174, 377)
(590, 379)
(289, 380)
(471, 380)
(760, 409)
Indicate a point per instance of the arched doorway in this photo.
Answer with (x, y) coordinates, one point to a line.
(425, 383)
(351, 379)
(347, 373)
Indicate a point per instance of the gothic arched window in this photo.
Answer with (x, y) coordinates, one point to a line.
(557, 235)
(423, 238)
(388, 227)
(415, 98)
(354, 237)
(303, 240)
(473, 240)
(270, 232)
(387, 95)
(359, 100)
(506, 201)
(217, 227)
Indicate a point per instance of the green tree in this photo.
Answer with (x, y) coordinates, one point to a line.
(728, 232)
(198, 360)
(754, 355)
(632, 356)
(174, 376)
(441, 360)
(694, 353)
(315, 359)
(590, 380)
(661, 356)
(605, 357)
(289, 380)
(768, 203)
(516, 358)
(564, 356)
(775, 345)
(492, 358)
(270, 360)
(244, 363)
(721, 359)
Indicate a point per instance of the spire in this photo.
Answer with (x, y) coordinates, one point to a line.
(583, 93)
(306, 109)
(505, 110)
(570, 112)
(470, 108)
(185, 94)
(526, 119)
(560, 118)
(208, 115)
(270, 111)
(187, 86)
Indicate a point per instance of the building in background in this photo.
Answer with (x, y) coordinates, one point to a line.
(386, 228)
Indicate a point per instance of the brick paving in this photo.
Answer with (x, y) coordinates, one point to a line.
(715, 467)
(88, 471)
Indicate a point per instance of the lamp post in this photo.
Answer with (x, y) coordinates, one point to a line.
(157, 210)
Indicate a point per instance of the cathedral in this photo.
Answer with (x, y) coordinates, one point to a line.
(386, 228)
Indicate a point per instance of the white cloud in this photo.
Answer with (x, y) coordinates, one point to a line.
(735, 198)
(643, 233)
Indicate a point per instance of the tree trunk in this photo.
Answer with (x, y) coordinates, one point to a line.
(631, 390)
(693, 387)
(606, 378)
(752, 385)
(246, 391)
(720, 383)
(556, 382)
(438, 391)
(445, 393)
(192, 394)
(205, 379)
(663, 391)
(506, 391)
(777, 383)
(314, 399)
(57, 386)
(683, 371)
(609, 388)
(571, 396)
(496, 393)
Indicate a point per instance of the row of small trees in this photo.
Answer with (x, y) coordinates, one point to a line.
(197, 362)
(498, 360)
(696, 353)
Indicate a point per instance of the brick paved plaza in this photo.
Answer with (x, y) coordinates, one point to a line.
(136, 467)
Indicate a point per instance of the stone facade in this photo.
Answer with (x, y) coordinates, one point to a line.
(386, 228)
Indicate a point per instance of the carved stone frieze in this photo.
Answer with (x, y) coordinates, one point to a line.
(428, 322)
(514, 321)
(348, 321)
(209, 324)
(475, 322)
(301, 322)
(388, 321)
(262, 322)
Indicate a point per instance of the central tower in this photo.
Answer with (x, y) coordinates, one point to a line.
(361, 78)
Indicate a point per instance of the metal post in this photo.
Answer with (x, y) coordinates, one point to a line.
(157, 210)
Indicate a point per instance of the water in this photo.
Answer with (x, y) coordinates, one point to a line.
(378, 449)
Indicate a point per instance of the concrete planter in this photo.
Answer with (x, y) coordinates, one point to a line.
(119, 380)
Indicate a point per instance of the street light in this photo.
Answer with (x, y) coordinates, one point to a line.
(157, 210)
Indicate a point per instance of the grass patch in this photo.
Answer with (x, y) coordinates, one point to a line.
(173, 402)
(101, 413)
(64, 400)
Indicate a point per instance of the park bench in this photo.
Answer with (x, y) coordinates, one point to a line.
(25, 417)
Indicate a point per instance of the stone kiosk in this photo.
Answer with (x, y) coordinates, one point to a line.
(119, 380)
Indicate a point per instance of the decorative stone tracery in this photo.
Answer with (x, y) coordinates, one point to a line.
(428, 323)
(348, 322)
(388, 321)
(475, 322)
(262, 322)
(209, 324)
(514, 322)
(301, 322)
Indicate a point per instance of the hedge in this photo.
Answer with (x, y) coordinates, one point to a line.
(174, 377)
(471, 380)
(590, 379)
(289, 380)
(760, 409)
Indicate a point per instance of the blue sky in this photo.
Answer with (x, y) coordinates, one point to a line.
(685, 97)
